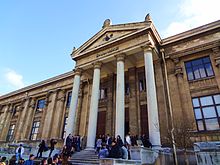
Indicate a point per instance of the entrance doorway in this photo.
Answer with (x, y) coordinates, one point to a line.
(126, 121)
(101, 123)
(144, 120)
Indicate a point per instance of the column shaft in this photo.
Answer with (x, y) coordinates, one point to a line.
(154, 132)
(120, 101)
(93, 113)
(73, 105)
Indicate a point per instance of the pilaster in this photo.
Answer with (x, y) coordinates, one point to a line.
(216, 58)
(56, 123)
(133, 110)
(6, 122)
(30, 117)
(23, 114)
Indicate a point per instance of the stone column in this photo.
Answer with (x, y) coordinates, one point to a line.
(73, 105)
(120, 100)
(153, 120)
(93, 113)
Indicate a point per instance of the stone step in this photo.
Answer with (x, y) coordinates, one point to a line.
(85, 157)
(84, 162)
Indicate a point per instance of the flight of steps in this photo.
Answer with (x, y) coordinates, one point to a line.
(85, 157)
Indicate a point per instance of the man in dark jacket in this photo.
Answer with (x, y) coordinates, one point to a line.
(52, 145)
(41, 149)
(115, 151)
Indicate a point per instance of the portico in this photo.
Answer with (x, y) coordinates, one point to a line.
(115, 50)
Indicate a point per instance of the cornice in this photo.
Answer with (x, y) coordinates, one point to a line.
(194, 49)
(190, 33)
(42, 83)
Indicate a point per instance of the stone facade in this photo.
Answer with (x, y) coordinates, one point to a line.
(119, 85)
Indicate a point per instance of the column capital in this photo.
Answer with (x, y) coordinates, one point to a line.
(78, 71)
(147, 47)
(97, 65)
(216, 50)
(120, 57)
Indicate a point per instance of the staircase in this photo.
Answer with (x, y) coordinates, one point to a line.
(85, 157)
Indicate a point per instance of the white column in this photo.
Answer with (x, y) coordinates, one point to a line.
(93, 113)
(153, 120)
(120, 101)
(70, 128)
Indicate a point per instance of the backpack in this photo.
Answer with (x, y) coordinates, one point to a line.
(19, 150)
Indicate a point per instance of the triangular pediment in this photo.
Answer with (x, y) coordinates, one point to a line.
(109, 35)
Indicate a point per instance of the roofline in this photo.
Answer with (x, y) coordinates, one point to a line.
(39, 84)
(191, 32)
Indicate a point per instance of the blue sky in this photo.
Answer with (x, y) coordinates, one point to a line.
(37, 37)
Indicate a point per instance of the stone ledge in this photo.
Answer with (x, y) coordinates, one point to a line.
(111, 161)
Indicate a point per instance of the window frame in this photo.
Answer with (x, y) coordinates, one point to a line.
(10, 134)
(68, 99)
(193, 70)
(203, 117)
(142, 86)
(34, 126)
(103, 93)
(38, 109)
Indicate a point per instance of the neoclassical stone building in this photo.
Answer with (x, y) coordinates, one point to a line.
(126, 79)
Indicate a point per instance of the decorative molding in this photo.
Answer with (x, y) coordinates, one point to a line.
(178, 70)
(196, 49)
(47, 100)
(120, 57)
(33, 103)
(97, 65)
(114, 49)
(148, 18)
(106, 23)
(62, 98)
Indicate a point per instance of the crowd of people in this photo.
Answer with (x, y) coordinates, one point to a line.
(110, 147)
(106, 146)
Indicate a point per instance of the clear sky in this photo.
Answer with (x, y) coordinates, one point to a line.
(37, 37)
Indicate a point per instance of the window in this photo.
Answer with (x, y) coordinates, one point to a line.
(69, 96)
(141, 81)
(127, 89)
(64, 127)
(141, 85)
(103, 93)
(199, 68)
(10, 132)
(35, 130)
(40, 105)
(207, 112)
